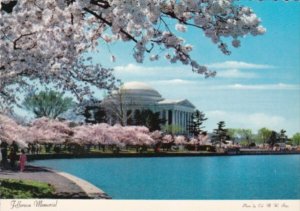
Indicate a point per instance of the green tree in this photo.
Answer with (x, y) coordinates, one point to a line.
(47, 104)
(195, 125)
(263, 135)
(246, 135)
(233, 133)
(296, 139)
(220, 133)
(172, 129)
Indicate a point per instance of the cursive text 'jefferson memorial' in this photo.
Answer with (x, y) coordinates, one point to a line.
(134, 96)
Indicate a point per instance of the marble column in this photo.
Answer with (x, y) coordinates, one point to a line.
(181, 121)
(174, 122)
(167, 117)
(184, 122)
(178, 118)
(178, 121)
(174, 117)
(189, 117)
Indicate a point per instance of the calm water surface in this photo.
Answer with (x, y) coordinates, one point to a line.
(228, 177)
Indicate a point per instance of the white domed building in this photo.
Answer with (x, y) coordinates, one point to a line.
(134, 96)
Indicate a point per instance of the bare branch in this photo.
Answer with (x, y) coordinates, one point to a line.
(20, 37)
(110, 24)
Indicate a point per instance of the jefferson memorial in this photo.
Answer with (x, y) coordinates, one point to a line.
(134, 96)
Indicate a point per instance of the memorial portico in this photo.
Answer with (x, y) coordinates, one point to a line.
(140, 96)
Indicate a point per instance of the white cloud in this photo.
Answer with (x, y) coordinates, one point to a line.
(238, 65)
(279, 86)
(182, 75)
(146, 73)
(253, 121)
(228, 69)
(133, 68)
(235, 73)
(260, 119)
(231, 66)
(172, 82)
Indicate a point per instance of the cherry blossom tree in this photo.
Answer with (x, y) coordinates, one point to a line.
(180, 140)
(204, 139)
(167, 138)
(44, 41)
(146, 139)
(11, 131)
(83, 135)
(116, 135)
(99, 133)
(141, 135)
(193, 141)
(156, 135)
(50, 131)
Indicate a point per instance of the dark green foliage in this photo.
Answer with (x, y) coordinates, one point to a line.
(94, 114)
(8, 7)
(274, 138)
(24, 189)
(220, 133)
(282, 136)
(47, 104)
(195, 125)
(146, 118)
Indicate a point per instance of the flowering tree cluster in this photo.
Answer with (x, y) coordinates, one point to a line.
(43, 41)
(116, 135)
(44, 130)
(10, 131)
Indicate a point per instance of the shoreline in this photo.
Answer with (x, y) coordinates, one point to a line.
(31, 157)
(67, 186)
(90, 189)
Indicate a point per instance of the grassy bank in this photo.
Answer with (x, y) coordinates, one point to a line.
(23, 189)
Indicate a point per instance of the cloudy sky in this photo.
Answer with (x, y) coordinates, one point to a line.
(258, 85)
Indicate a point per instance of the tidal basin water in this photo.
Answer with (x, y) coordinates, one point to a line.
(225, 177)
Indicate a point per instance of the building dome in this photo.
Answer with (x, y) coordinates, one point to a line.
(138, 92)
(137, 86)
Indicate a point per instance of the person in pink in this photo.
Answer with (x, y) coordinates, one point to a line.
(22, 160)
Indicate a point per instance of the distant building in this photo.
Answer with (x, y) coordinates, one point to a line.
(134, 96)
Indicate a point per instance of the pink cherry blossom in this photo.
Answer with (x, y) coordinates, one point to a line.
(11, 131)
(180, 140)
(193, 141)
(44, 42)
(167, 138)
(51, 130)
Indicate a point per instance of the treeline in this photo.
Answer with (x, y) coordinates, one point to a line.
(263, 136)
(52, 104)
(245, 137)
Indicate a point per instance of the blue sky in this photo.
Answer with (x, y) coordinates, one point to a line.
(258, 85)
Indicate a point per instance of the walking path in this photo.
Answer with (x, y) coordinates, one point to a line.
(66, 185)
